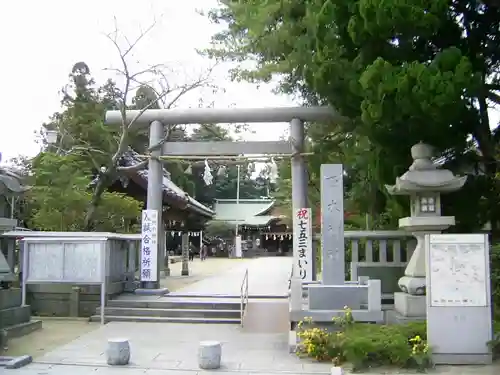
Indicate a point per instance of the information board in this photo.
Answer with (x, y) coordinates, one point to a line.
(457, 270)
(63, 260)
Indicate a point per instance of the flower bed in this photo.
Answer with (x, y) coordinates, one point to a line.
(364, 345)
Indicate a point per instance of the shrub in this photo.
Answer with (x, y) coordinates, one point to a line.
(495, 279)
(365, 345)
(494, 344)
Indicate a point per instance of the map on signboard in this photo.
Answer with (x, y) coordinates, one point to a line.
(457, 274)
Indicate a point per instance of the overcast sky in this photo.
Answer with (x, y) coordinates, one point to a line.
(41, 40)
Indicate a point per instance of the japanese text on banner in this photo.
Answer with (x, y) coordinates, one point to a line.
(149, 245)
(302, 244)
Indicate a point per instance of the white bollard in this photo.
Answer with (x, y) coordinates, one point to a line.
(337, 371)
(118, 352)
(209, 355)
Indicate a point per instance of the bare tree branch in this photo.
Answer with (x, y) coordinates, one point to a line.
(166, 96)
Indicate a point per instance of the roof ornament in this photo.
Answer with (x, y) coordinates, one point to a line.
(207, 174)
(222, 171)
(273, 171)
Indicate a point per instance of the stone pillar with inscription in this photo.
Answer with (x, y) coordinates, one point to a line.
(424, 182)
(185, 254)
(332, 225)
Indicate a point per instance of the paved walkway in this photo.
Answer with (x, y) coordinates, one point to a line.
(266, 277)
(198, 271)
(171, 349)
(164, 348)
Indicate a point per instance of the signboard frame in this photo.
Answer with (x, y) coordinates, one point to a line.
(102, 265)
(448, 322)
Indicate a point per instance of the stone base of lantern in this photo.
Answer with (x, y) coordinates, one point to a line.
(409, 306)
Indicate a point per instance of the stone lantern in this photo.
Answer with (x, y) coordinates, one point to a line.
(11, 186)
(424, 182)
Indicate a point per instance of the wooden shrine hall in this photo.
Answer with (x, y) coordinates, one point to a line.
(264, 230)
(181, 212)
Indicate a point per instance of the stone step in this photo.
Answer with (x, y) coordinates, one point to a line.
(171, 313)
(22, 329)
(223, 297)
(153, 319)
(14, 315)
(178, 303)
(10, 298)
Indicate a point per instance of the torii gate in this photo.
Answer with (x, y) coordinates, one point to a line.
(156, 119)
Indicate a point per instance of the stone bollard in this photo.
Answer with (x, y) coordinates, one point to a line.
(118, 352)
(337, 371)
(209, 355)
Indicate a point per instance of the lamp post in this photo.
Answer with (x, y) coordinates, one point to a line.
(51, 136)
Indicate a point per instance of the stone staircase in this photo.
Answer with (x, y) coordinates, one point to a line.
(14, 318)
(258, 253)
(172, 309)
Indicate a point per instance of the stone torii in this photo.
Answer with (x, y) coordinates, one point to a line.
(157, 119)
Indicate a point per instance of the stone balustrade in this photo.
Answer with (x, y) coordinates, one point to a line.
(381, 255)
(379, 246)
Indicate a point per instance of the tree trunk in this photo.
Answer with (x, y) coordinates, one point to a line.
(100, 188)
(486, 145)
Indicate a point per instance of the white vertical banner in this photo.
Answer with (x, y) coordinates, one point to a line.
(302, 244)
(149, 245)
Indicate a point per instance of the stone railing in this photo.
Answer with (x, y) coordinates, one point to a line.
(59, 299)
(381, 255)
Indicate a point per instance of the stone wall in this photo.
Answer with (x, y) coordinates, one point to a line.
(68, 300)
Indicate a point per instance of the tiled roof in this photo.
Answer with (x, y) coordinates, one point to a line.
(11, 180)
(251, 212)
(170, 190)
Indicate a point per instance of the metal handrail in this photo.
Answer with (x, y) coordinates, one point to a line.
(244, 296)
(290, 279)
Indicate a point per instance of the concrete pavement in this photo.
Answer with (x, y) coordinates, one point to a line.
(171, 349)
(266, 277)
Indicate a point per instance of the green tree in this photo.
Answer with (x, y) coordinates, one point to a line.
(100, 147)
(225, 185)
(402, 72)
(60, 196)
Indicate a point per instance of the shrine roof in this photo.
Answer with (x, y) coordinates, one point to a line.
(170, 190)
(253, 221)
(250, 212)
(11, 181)
(51, 235)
